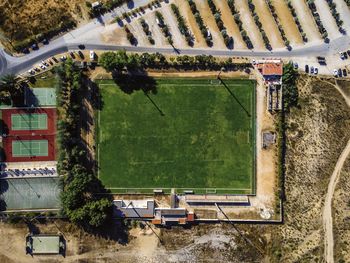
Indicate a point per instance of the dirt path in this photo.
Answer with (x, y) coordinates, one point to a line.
(268, 24)
(249, 24)
(232, 28)
(327, 211)
(209, 21)
(306, 20)
(286, 19)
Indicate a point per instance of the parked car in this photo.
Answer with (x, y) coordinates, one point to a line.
(31, 72)
(345, 55)
(339, 72)
(45, 63)
(348, 52)
(92, 55)
(315, 70)
(341, 55)
(42, 66)
(312, 70)
(72, 54)
(81, 55)
(335, 73)
(307, 68)
(55, 59)
(63, 58)
(345, 73)
(295, 65)
(45, 41)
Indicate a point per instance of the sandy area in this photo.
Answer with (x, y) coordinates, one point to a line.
(171, 21)
(306, 19)
(209, 21)
(249, 25)
(327, 19)
(231, 26)
(268, 24)
(286, 20)
(199, 41)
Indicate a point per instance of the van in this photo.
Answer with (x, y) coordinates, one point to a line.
(92, 55)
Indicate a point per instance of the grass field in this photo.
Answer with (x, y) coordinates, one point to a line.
(188, 134)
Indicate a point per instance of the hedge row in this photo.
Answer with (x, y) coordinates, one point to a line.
(148, 33)
(217, 16)
(200, 23)
(296, 20)
(237, 18)
(164, 27)
(182, 25)
(259, 25)
(279, 26)
(321, 28)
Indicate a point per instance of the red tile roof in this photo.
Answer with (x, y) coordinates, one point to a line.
(269, 69)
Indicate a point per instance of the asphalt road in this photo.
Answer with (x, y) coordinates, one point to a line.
(90, 35)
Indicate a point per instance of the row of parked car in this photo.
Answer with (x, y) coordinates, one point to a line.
(50, 62)
(344, 55)
(311, 70)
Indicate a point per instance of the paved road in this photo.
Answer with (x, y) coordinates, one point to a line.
(90, 35)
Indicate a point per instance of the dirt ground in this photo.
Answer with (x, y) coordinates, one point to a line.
(306, 20)
(249, 24)
(23, 19)
(268, 24)
(209, 21)
(229, 22)
(201, 243)
(286, 19)
(318, 131)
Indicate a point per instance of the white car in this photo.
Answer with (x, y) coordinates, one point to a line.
(316, 70)
(92, 55)
(31, 72)
(44, 63)
(63, 58)
(335, 72)
(42, 66)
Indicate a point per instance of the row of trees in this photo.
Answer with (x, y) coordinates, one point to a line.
(164, 27)
(11, 91)
(237, 18)
(279, 25)
(296, 20)
(203, 28)
(81, 199)
(336, 15)
(321, 28)
(119, 61)
(259, 25)
(217, 16)
(148, 33)
(183, 27)
(130, 36)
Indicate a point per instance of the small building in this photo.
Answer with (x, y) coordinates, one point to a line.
(45, 244)
(268, 138)
(171, 216)
(271, 71)
(133, 208)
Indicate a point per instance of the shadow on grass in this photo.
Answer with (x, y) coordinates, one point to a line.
(131, 83)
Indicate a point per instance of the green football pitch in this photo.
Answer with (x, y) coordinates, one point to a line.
(187, 134)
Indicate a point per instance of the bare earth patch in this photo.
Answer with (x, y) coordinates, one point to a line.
(286, 19)
(268, 24)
